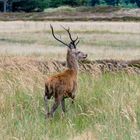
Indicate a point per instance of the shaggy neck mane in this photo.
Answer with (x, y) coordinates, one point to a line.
(72, 62)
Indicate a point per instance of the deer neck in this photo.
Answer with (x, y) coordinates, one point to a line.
(72, 62)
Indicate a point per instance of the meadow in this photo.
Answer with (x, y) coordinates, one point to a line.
(107, 106)
(101, 40)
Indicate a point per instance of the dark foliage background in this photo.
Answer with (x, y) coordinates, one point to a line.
(40, 5)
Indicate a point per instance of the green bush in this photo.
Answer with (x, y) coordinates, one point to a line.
(40, 5)
(30, 5)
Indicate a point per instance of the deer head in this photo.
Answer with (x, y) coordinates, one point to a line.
(71, 45)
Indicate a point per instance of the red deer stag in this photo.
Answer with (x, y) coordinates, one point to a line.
(63, 85)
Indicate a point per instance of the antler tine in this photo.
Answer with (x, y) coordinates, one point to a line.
(76, 39)
(68, 30)
(56, 37)
(77, 42)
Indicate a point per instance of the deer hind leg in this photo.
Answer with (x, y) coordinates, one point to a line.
(46, 105)
(47, 96)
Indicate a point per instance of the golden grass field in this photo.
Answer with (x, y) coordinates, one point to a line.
(107, 106)
(101, 40)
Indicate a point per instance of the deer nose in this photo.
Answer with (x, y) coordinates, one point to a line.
(85, 56)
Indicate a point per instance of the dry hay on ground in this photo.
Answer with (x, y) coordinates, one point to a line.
(96, 67)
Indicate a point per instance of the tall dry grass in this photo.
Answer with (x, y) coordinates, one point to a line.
(106, 107)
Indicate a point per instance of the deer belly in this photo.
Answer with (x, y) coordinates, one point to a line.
(70, 93)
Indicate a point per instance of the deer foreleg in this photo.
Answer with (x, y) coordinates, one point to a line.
(55, 106)
(63, 105)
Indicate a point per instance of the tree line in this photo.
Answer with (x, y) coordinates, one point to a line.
(40, 5)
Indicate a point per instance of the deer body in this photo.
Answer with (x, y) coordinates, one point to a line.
(64, 84)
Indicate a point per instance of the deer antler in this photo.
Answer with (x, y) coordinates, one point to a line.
(73, 41)
(56, 37)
